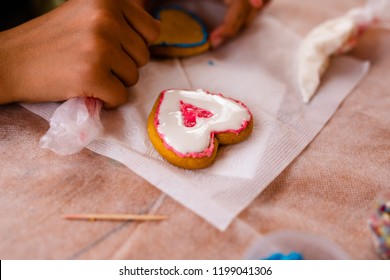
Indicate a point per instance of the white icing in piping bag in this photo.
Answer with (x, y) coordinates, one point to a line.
(334, 37)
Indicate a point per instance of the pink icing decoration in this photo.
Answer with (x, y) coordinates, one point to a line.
(191, 112)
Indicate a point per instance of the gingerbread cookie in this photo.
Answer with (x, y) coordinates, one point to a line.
(182, 34)
(186, 127)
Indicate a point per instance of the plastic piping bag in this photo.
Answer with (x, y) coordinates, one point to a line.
(74, 124)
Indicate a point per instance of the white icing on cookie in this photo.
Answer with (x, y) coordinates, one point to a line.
(222, 115)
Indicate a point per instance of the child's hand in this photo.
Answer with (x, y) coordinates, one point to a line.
(239, 14)
(82, 48)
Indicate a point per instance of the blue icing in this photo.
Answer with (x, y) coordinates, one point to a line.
(194, 17)
(280, 256)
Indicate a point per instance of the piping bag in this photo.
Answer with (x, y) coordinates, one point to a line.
(333, 37)
(74, 124)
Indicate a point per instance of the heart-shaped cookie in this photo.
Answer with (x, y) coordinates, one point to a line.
(182, 34)
(187, 126)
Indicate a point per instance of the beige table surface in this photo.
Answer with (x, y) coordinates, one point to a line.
(328, 190)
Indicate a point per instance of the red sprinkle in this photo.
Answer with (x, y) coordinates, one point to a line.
(191, 112)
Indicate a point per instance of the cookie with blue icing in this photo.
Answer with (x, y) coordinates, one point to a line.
(183, 34)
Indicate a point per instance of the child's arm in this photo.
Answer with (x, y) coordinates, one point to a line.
(82, 48)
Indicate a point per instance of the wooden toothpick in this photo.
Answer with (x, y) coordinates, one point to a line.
(114, 217)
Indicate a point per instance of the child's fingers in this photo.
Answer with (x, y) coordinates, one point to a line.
(134, 46)
(109, 89)
(141, 21)
(124, 68)
(234, 20)
(256, 3)
(141, 3)
(114, 93)
(250, 17)
(258, 6)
